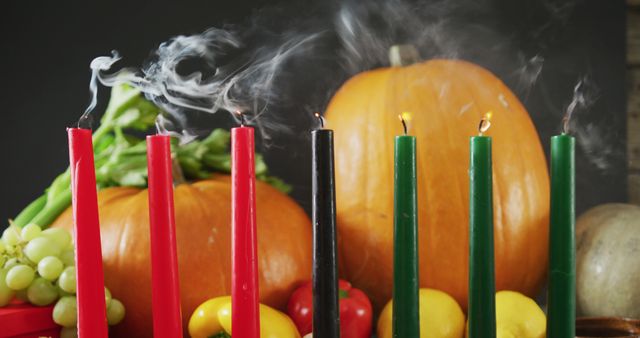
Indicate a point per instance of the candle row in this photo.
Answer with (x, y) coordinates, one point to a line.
(167, 317)
(245, 292)
(481, 306)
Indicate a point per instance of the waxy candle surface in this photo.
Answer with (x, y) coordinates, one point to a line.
(406, 316)
(562, 257)
(326, 313)
(92, 319)
(244, 244)
(482, 308)
(167, 317)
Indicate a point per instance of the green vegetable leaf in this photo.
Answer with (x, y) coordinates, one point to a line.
(129, 109)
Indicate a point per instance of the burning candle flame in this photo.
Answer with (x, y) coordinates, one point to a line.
(485, 123)
(404, 118)
(321, 119)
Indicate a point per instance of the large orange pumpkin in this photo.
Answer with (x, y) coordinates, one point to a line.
(203, 214)
(447, 99)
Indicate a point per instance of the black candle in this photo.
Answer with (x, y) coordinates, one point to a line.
(326, 314)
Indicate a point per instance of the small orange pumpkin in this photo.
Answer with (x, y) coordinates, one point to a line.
(203, 214)
(447, 99)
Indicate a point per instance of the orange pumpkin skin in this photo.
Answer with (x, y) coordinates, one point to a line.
(447, 99)
(203, 232)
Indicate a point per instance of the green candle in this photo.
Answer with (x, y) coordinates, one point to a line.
(562, 258)
(482, 305)
(406, 316)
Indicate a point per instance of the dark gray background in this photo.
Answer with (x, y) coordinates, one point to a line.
(47, 47)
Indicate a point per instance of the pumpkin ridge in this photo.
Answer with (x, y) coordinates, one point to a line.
(462, 199)
(517, 130)
(528, 277)
(124, 256)
(225, 281)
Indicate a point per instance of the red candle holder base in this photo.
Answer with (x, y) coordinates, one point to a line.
(22, 320)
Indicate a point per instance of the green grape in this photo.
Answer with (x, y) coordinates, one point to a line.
(69, 332)
(6, 294)
(11, 235)
(59, 236)
(115, 312)
(2, 260)
(11, 262)
(70, 246)
(63, 293)
(20, 276)
(41, 247)
(68, 257)
(2, 246)
(30, 231)
(22, 295)
(67, 280)
(107, 296)
(50, 267)
(41, 292)
(11, 249)
(64, 312)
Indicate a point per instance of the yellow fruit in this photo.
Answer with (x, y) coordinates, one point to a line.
(213, 317)
(518, 316)
(440, 316)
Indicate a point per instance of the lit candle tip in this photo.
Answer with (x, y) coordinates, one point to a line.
(485, 122)
(404, 118)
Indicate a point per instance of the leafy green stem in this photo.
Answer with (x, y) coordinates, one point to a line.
(53, 209)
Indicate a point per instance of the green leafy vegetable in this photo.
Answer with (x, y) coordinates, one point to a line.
(121, 158)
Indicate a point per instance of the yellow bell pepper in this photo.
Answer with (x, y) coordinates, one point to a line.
(213, 319)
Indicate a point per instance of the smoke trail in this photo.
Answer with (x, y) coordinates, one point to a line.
(585, 94)
(98, 64)
(229, 76)
(261, 67)
(597, 142)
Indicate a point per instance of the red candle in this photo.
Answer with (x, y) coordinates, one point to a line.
(167, 317)
(92, 318)
(244, 276)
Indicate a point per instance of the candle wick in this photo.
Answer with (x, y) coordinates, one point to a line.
(485, 123)
(241, 115)
(85, 121)
(321, 119)
(404, 124)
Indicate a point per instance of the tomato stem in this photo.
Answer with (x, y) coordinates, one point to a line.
(221, 335)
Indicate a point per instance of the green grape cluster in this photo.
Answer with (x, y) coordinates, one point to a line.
(38, 266)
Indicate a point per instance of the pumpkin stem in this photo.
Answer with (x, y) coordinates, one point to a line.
(403, 55)
(176, 171)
